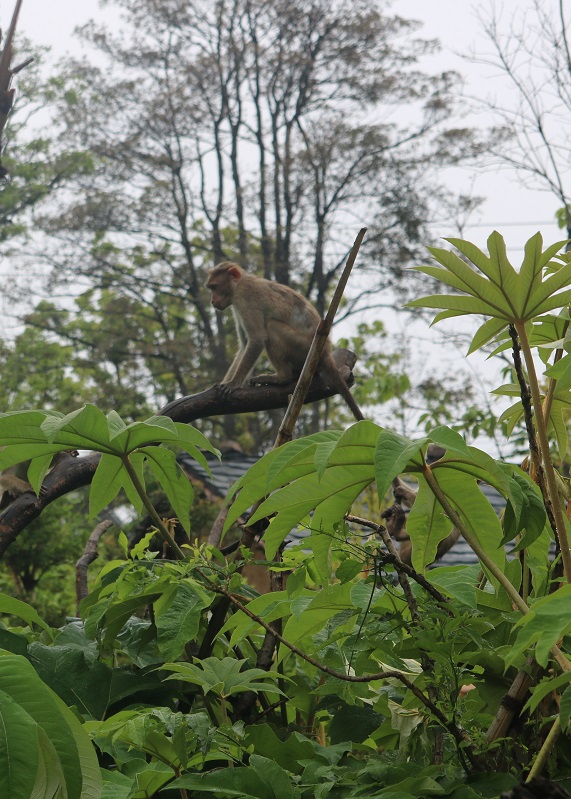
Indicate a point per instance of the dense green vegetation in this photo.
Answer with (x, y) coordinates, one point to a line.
(342, 681)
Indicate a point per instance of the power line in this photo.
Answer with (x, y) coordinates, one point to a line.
(497, 224)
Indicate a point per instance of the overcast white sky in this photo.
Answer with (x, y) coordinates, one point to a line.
(454, 23)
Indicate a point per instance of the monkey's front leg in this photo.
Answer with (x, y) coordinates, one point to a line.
(242, 366)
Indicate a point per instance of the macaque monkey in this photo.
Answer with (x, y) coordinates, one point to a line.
(275, 317)
(12, 487)
(396, 524)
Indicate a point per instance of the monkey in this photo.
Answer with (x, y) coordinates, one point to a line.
(12, 487)
(396, 522)
(275, 317)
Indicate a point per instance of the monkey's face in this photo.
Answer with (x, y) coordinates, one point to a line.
(221, 292)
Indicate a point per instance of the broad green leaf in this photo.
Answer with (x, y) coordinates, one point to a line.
(565, 708)
(109, 478)
(454, 302)
(427, 526)
(190, 439)
(464, 494)
(15, 607)
(37, 470)
(451, 441)
(473, 283)
(546, 623)
(85, 428)
(269, 607)
(340, 484)
(154, 430)
(508, 277)
(22, 684)
(458, 582)
(17, 453)
(549, 288)
(177, 617)
(49, 777)
(329, 601)
(533, 263)
(477, 257)
(19, 749)
(274, 469)
(485, 333)
(392, 453)
(556, 301)
(119, 613)
(115, 424)
(173, 480)
(322, 454)
(546, 687)
(262, 779)
(446, 315)
(291, 753)
(224, 677)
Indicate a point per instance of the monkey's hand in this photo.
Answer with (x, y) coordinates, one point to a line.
(404, 494)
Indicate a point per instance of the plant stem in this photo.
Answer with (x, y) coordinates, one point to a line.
(311, 362)
(140, 489)
(492, 567)
(545, 451)
(545, 750)
(460, 736)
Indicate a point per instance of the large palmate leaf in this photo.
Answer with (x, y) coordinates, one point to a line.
(124, 448)
(42, 743)
(321, 478)
(492, 287)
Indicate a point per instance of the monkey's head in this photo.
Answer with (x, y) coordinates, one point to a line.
(222, 281)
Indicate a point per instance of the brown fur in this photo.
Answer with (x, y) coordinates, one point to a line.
(275, 317)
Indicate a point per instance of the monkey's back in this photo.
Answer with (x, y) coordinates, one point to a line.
(281, 303)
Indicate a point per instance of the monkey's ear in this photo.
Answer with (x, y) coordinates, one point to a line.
(235, 272)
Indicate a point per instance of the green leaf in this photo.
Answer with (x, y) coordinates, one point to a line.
(546, 687)
(115, 424)
(19, 750)
(177, 617)
(565, 708)
(173, 480)
(477, 257)
(85, 428)
(548, 289)
(224, 677)
(485, 333)
(109, 478)
(392, 454)
(458, 582)
(262, 779)
(427, 526)
(532, 264)
(73, 747)
(15, 607)
(464, 494)
(453, 302)
(508, 277)
(37, 470)
(472, 282)
(317, 611)
(547, 622)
